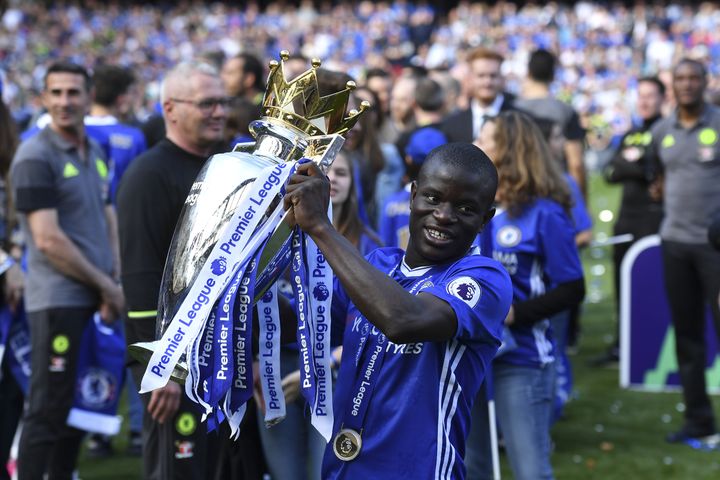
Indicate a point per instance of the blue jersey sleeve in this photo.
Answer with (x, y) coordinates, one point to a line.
(480, 293)
(556, 234)
(579, 211)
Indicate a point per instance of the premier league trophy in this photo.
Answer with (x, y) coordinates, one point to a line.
(233, 227)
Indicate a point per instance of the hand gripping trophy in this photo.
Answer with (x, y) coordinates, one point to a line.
(231, 243)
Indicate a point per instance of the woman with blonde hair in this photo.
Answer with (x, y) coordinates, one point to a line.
(534, 237)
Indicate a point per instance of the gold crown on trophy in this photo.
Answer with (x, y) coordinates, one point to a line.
(298, 102)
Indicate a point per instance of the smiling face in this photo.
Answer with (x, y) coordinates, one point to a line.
(186, 117)
(66, 99)
(486, 79)
(447, 210)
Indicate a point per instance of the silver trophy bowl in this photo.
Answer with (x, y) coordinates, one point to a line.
(220, 186)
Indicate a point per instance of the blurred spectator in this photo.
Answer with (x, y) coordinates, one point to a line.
(428, 109)
(195, 110)
(640, 213)
(73, 264)
(402, 100)
(241, 113)
(380, 83)
(685, 146)
(244, 77)
(536, 100)
(533, 232)
(451, 89)
(11, 393)
(112, 101)
(488, 98)
(389, 179)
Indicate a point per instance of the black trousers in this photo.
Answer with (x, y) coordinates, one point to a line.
(177, 449)
(47, 444)
(692, 280)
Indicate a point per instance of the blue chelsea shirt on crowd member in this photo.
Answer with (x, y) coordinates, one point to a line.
(419, 413)
(537, 249)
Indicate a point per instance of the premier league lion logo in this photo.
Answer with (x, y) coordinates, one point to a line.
(218, 266)
(466, 289)
(321, 292)
(267, 297)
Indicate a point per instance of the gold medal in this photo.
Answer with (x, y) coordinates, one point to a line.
(347, 444)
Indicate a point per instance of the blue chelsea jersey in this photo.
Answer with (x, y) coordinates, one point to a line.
(418, 416)
(122, 144)
(538, 250)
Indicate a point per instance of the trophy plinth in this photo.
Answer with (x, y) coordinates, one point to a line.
(297, 122)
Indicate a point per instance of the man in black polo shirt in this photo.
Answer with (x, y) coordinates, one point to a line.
(150, 198)
(687, 147)
(640, 213)
(60, 184)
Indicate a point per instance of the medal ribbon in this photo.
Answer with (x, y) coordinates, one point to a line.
(371, 355)
(372, 350)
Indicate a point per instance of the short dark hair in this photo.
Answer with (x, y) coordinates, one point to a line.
(252, 64)
(110, 82)
(376, 72)
(64, 66)
(691, 61)
(429, 95)
(468, 158)
(541, 66)
(655, 81)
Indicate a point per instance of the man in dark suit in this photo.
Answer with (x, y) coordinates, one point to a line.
(488, 98)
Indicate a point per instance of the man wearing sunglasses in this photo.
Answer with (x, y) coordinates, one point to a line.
(150, 198)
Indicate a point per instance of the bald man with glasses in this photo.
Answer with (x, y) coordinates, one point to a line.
(150, 198)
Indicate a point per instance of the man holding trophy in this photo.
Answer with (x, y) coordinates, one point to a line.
(420, 328)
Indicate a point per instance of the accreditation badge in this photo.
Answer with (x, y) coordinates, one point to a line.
(347, 444)
(706, 154)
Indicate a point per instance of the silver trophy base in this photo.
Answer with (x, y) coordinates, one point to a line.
(143, 352)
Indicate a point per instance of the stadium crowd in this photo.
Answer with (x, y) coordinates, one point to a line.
(604, 48)
(542, 90)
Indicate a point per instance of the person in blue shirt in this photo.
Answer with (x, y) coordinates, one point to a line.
(112, 101)
(564, 322)
(293, 449)
(533, 236)
(422, 325)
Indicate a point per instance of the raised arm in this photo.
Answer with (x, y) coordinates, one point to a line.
(402, 317)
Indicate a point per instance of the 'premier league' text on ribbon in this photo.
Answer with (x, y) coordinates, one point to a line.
(206, 289)
(270, 380)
